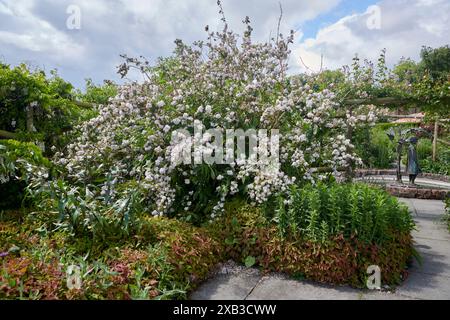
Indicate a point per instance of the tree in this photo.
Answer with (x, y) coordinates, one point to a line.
(97, 94)
(407, 70)
(436, 62)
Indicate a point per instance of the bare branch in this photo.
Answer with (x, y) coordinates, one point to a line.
(279, 21)
(304, 64)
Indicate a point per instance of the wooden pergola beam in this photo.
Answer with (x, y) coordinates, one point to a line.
(85, 105)
(404, 116)
(443, 142)
(377, 101)
(7, 135)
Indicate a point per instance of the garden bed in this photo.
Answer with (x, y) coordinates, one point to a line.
(164, 260)
(329, 233)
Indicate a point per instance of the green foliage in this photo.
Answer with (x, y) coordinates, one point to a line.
(328, 79)
(374, 147)
(378, 151)
(361, 80)
(165, 260)
(16, 150)
(325, 232)
(385, 126)
(441, 165)
(424, 148)
(434, 95)
(247, 234)
(436, 61)
(407, 70)
(51, 101)
(15, 159)
(97, 94)
(427, 83)
(249, 261)
(79, 212)
(353, 210)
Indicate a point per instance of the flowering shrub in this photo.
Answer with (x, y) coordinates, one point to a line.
(104, 192)
(226, 82)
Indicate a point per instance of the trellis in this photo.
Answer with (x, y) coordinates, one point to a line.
(399, 101)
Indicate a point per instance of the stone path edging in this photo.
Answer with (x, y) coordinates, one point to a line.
(359, 173)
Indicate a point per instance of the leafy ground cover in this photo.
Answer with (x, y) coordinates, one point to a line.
(327, 237)
(165, 259)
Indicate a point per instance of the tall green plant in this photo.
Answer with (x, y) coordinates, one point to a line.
(352, 210)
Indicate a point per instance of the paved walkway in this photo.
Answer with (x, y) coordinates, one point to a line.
(426, 182)
(431, 280)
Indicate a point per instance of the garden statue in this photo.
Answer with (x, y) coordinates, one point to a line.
(412, 167)
(399, 149)
(412, 163)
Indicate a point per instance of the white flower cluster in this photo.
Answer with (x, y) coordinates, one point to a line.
(341, 156)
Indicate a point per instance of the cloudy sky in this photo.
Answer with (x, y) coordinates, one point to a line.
(37, 32)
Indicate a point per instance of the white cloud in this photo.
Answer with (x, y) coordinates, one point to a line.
(405, 27)
(29, 32)
(36, 30)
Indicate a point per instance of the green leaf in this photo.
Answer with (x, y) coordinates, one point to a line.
(230, 241)
(234, 222)
(250, 261)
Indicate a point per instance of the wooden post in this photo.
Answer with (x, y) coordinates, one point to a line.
(30, 124)
(349, 136)
(399, 155)
(399, 162)
(435, 138)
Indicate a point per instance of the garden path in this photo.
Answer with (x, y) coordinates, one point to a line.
(430, 280)
(420, 181)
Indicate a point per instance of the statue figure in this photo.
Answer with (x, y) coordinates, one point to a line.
(399, 137)
(412, 167)
(400, 142)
